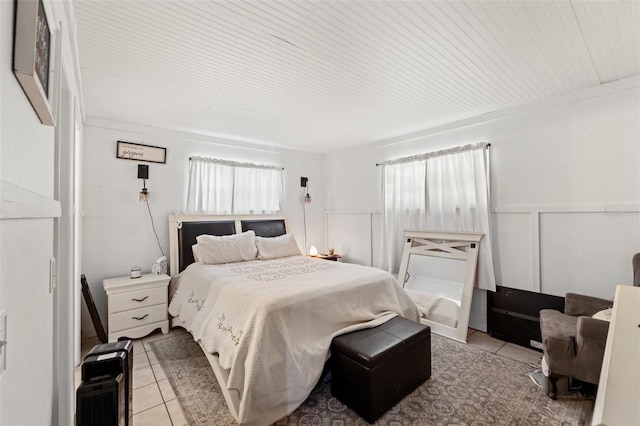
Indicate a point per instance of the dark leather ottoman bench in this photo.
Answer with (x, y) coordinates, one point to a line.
(373, 369)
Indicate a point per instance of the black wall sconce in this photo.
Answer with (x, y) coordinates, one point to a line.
(143, 173)
(303, 183)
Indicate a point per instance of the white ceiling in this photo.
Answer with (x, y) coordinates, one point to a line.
(326, 75)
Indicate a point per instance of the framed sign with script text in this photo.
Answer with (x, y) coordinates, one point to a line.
(140, 152)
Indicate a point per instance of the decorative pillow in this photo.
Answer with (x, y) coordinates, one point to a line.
(604, 315)
(212, 250)
(275, 247)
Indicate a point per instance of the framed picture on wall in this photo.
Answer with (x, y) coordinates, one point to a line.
(141, 152)
(32, 56)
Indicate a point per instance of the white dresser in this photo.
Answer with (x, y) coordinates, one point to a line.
(618, 397)
(136, 306)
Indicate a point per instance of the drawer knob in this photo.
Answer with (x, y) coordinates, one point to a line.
(140, 318)
(141, 300)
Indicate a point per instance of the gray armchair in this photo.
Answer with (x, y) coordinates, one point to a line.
(573, 341)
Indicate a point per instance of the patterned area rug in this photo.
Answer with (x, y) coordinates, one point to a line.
(467, 386)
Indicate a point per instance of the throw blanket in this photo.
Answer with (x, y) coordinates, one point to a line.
(272, 322)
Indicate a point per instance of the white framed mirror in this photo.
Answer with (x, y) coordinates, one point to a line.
(438, 271)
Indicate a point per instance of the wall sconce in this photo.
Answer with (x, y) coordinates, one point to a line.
(306, 200)
(143, 173)
(303, 183)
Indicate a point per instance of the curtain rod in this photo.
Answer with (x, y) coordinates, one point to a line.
(236, 163)
(436, 153)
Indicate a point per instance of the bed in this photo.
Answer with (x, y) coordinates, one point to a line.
(266, 324)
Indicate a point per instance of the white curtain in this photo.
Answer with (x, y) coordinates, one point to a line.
(226, 187)
(405, 207)
(447, 191)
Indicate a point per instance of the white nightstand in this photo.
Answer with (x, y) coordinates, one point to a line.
(136, 306)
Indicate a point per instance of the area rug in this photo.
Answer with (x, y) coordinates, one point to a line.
(468, 386)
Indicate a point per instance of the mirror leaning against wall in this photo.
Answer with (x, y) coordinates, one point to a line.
(438, 271)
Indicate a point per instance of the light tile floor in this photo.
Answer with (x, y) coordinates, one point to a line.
(155, 403)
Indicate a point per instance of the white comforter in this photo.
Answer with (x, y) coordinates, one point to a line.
(272, 322)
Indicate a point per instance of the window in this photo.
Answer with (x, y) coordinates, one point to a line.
(443, 191)
(229, 187)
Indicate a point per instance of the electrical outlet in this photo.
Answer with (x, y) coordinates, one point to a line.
(536, 344)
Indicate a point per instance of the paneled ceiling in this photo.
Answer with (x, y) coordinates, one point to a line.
(326, 75)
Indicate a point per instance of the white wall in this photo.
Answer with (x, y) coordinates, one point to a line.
(117, 232)
(565, 187)
(28, 392)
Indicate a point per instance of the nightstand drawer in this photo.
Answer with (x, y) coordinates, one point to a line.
(137, 317)
(137, 299)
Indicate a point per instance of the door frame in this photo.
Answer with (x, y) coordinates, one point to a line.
(66, 292)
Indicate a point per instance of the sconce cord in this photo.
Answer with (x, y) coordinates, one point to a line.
(154, 228)
(304, 221)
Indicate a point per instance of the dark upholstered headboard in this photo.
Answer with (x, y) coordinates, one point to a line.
(184, 230)
(190, 230)
(265, 228)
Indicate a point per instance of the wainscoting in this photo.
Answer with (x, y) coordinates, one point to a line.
(551, 249)
(544, 249)
(560, 249)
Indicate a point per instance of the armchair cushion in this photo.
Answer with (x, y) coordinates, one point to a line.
(579, 304)
(573, 345)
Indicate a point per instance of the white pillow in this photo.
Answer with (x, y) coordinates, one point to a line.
(604, 315)
(194, 249)
(275, 247)
(212, 250)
